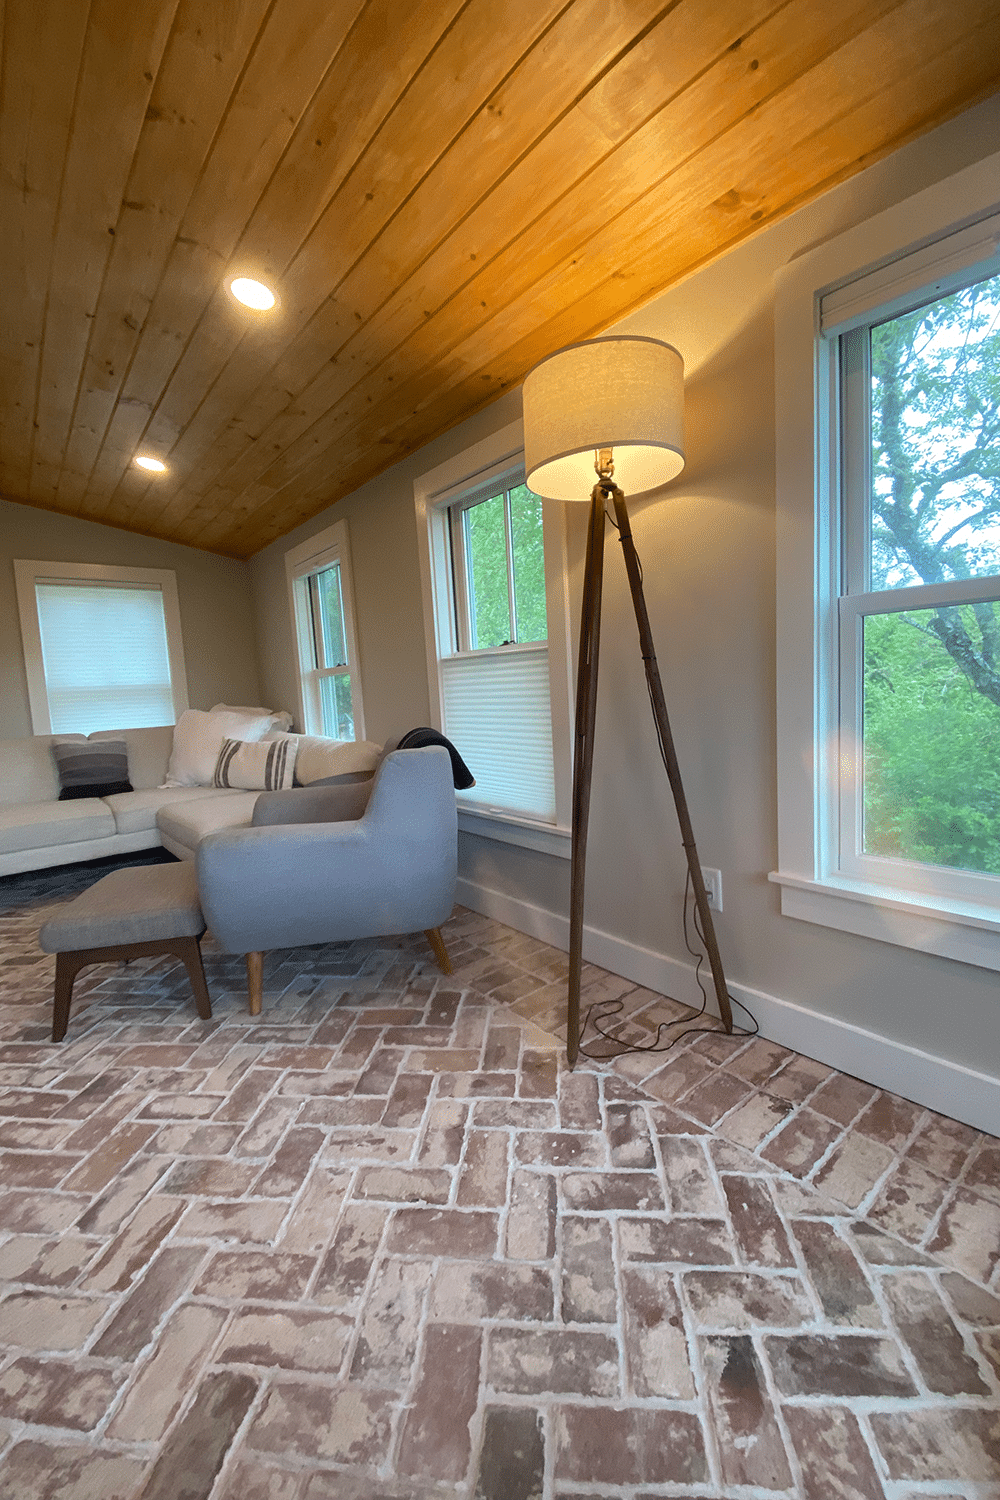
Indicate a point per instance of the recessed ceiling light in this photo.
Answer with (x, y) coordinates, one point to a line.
(153, 464)
(252, 293)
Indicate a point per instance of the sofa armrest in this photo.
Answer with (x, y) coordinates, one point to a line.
(313, 804)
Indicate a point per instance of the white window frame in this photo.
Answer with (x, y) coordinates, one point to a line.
(936, 239)
(28, 572)
(320, 552)
(435, 493)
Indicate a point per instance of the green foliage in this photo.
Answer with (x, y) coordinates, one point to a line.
(931, 678)
(486, 550)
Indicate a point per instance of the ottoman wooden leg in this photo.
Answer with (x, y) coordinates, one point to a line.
(255, 981)
(189, 952)
(433, 936)
(68, 965)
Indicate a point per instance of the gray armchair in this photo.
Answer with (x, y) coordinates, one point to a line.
(326, 864)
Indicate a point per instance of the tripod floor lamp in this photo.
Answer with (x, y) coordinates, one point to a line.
(611, 405)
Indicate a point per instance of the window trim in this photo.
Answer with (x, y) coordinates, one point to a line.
(327, 547)
(822, 293)
(491, 460)
(28, 572)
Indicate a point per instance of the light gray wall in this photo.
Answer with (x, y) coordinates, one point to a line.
(214, 596)
(707, 545)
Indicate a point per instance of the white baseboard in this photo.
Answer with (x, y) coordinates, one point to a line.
(948, 1087)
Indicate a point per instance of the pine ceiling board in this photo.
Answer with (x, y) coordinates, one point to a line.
(279, 81)
(36, 109)
(125, 40)
(898, 108)
(378, 60)
(720, 97)
(419, 130)
(202, 62)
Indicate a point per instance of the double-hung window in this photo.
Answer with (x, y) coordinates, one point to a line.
(494, 566)
(320, 596)
(889, 817)
(102, 646)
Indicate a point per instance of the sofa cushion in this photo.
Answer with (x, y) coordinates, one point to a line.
(135, 812)
(266, 765)
(183, 825)
(37, 825)
(319, 759)
(198, 738)
(148, 752)
(29, 770)
(90, 769)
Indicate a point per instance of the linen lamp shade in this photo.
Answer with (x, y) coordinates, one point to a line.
(624, 393)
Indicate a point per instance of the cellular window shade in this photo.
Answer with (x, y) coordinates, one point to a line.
(104, 650)
(497, 714)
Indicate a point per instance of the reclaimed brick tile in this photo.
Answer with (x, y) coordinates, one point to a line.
(503, 1049)
(531, 1361)
(33, 1135)
(344, 1271)
(196, 1448)
(753, 1121)
(837, 1276)
(337, 1424)
(94, 1174)
(337, 1112)
(579, 1101)
(589, 1293)
(943, 1146)
(832, 1454)
(311, 1220)
(243, 1101)
(444, 1134)
(441, 1231)
(256, 1274)
(380, 1073)
(203, 1139)
(698, 1242)
(940, 1444)
(747, 1299)
(973, 1304)
(715, 1097)
(853, 1364)
(539, 1074)
(374, 1143)
(45, 1262)
(853, 1168)
(251, 1480)
(44, 1320)
(656, 1356)
(682, 1072)
(842, 1098)
(629, 1137)
(133, 1248)
(483, 1179)
(390, 1326)
(469, 1291)
(760, 1234)
(240, 1223)
(931, 1336)
(289, 1167)
(599, 1191)
(35, 1470)
(132, 1326)
(907, 1200)
(166, 1379)
(880, 1249)
(57, 1393)
(798, 1079)
(751, 1451)
(560, 1148)
(800, 1144)
(599, 1444)
(261, 1136)
(407, 1101)
(517, 1114)
(968, 1235)
(291, 1340)
(397, 1185)
(435, 1439)
(758, 1061)
(531, 1220)
(30, 1212)
(691, 1184)
(890, 1120)
(210, 1177)
(512, 1458)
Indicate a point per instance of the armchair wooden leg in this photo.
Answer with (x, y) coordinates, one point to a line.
(433, 936)
(255, 981)
(189, 951)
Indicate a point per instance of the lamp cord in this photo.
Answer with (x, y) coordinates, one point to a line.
(604, 1010)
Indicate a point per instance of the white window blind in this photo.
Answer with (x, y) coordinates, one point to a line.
(497, 710)
(106, 662)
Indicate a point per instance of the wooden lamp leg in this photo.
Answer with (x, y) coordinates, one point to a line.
(255, 981)
(583, 756)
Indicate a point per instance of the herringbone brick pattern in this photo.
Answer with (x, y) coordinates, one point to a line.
(380, 1243)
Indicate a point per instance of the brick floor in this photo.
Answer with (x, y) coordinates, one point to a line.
(380, 1243)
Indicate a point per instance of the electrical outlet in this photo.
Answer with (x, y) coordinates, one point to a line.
(713, 887)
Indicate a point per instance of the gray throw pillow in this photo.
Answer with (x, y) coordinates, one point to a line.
(91, 768)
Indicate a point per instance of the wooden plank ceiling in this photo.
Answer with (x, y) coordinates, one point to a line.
(441, 191)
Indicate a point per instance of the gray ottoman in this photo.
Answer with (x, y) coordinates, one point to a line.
(135, 913)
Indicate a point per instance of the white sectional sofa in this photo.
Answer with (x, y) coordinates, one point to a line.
(37, 830)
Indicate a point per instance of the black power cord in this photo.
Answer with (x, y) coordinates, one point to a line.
(604, 1010)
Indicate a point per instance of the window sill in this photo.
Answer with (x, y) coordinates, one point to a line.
(508, 828)
(931, 924)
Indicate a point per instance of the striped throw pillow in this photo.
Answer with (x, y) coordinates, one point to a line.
(256, 765)
(94, 768)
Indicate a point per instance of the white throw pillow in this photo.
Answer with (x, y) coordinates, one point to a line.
(198, 738)
(280, 718)
(319, 758)
(257, 766)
